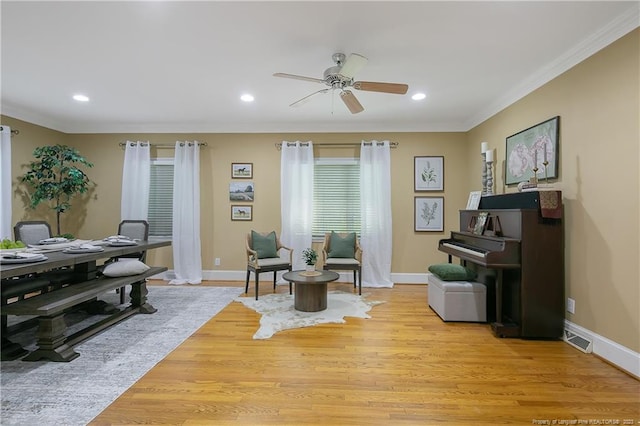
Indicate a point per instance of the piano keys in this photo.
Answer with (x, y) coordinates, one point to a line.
(524, 267)
(495, 251)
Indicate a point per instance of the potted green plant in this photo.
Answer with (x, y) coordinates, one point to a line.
(310, 256)
(55, 178)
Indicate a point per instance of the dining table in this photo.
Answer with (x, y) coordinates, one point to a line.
(85, 283)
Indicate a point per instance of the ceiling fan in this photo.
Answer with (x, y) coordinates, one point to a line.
(340, 77)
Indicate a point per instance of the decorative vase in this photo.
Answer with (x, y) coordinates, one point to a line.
(310, 268)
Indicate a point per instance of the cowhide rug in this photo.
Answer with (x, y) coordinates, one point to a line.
(278, 313)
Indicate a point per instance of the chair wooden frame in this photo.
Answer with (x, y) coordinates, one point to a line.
(355, 267)
(140, 256)
(253, 264)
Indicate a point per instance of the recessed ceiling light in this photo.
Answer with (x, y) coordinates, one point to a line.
(247, 97)
(81, 98)
(418, 96)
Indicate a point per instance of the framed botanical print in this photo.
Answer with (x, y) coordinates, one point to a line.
(428, 173)
(428, 214)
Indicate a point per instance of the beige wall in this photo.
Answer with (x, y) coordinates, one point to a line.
(599, 107)
(598, 102)
(223, 238)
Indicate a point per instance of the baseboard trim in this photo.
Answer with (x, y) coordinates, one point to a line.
(610, 351)
(210, 275)
(405, 278)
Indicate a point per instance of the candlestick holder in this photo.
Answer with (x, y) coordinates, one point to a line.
(484, 173)
(489, 178)
(534, 179)
(545, 163)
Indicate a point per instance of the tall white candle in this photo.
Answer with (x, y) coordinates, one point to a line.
(535, 158)
(484, 147)
(489, 156)
(545, 153)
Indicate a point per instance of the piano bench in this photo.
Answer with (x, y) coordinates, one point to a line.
(457, 300)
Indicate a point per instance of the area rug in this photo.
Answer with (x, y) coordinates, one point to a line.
(73, 393)
(278, 313)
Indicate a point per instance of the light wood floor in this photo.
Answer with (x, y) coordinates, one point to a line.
(403, 366)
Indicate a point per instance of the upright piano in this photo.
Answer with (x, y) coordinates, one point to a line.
(519, 255)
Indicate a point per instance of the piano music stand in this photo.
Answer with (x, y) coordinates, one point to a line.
(493, 227)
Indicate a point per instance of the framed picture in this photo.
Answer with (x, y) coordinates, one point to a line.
(241, 191)
(241, 170)
(241, 212)
(474, 200)
(533, 148)
(428, 214)
(480, 223)
(428, 173)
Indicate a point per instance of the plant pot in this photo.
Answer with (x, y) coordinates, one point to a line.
(310, 268)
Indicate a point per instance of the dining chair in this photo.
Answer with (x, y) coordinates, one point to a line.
(342, 252)
(135, 230)
(31, 231)
(262, 256)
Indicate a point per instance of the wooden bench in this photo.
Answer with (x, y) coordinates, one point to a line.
(51, 307)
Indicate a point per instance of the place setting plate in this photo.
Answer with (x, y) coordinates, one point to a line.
(81, 250)
(53, 240)
(120, 241)
(22, 257)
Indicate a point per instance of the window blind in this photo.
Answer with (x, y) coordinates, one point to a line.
(336, 196)
(160, 216)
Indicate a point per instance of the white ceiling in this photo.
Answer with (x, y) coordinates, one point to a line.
(182, 66)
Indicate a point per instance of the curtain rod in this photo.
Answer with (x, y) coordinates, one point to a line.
(13, 131)
(345, 144)
(200, 144)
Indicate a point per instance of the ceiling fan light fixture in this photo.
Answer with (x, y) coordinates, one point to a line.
(247, 98)
(418, 96)
(352, 65)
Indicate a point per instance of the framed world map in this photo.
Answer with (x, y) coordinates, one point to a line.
(535, 148)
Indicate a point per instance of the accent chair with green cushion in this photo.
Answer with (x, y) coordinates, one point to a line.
(262, 256)
(342, 252)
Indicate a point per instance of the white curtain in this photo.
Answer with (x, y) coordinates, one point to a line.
(187, 260)
(375, 200)
(296, 198)
(5, 182)
(135, 181)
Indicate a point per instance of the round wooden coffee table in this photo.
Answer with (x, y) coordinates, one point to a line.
(310, 289)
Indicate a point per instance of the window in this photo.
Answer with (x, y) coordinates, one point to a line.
(160, 215)
(336, 195)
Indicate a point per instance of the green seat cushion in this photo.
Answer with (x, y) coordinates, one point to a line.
(452, 272)
(344, 247)
(265, 245)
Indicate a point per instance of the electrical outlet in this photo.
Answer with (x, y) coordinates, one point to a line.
(217, 262)
(571, 305)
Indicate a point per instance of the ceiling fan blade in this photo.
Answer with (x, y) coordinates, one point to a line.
(352, 65)
(351, 102)
(306, 98)
(375, 86)
(298, 77)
